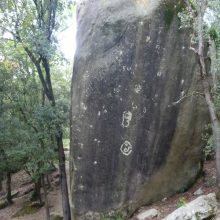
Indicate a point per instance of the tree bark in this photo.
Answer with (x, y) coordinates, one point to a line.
(37, 193)
(59, 140)
(46, 200)
(215, 130)
(8, 188)
(201, 5)
(63, 177)
(48, 180)
(213, 56)
(1, 179)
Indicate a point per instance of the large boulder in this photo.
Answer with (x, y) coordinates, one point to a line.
(204, 207)
(136, 118)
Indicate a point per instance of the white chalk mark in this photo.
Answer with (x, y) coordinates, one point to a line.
(137, 88)
(159, 74)
(134, 106)
(126, 148)
(81, 187)
(148, 39)
(83, 106)
(182, 94)
(126, 118)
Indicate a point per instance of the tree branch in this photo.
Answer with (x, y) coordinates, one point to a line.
(184, 97)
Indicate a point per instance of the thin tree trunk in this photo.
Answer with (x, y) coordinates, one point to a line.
(46, 200)
(201, 5)
(213, 63)
(215, 131)
(37, 193)
(43, 66)
(63, 178)
(1, 178)
(48, 180)
(8, 187)
(59, 140)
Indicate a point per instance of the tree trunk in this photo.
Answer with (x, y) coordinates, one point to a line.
(43, 66)
(36, 193)
(46, 200)
(201, 6)
(48, 180)
(213, 56)
(215, 130)
(1, 179)
(63, 177)
(8, 187)
(59, 140)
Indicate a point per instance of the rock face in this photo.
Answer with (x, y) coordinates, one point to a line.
(148, 215)
(204, 207)
(135, 128)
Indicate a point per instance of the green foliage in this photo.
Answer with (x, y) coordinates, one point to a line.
(27, 119)
(213, 34)
(193, 4)
(57, 217)
(172, 10)
(66, 143)
(187, 17)
(217, 92)
(181, 202)
(211, 20)
(218, 196)
(209, 149)
(26, 126)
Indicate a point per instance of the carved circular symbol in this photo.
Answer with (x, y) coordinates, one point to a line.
(126, 148)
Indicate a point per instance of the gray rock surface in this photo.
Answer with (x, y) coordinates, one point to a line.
(132, 140)
(148, 214)
(204, 207)
(55, 216)
(198, 192)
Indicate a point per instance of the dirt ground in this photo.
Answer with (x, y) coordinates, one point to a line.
(207, 183)
(21, 183)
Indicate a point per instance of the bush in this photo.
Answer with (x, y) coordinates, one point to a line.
(181, 202)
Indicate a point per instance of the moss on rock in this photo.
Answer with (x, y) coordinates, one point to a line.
(56, 217)
(171, 9)
(217, 195)
(3, 204)
(28, 209)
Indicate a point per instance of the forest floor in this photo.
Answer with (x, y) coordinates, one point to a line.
(22, 186)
